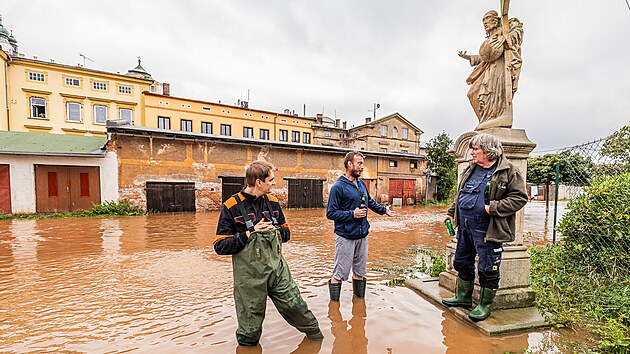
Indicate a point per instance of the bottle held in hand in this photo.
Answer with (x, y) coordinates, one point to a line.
(449, 227)
(362, 205)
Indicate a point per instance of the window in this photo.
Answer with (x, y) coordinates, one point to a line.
(100, 114)
(355, 134)
(85, 184)
(295, 137)
(73, 111)
(383, 130)
(383, 150)
(326, 134)
(124, 90)
(395, 133)
(206, 127)
(36, 77)
(226, 129)
(164, 123)
(248, 132)
(206, 108)
(306, 138)
(38, 107)
(126, 114)
(264, 134)
(70, 81)
(405, 133)
(185, 125)
(101, 86)
(393, 163)
(413, 164)
(284, 135)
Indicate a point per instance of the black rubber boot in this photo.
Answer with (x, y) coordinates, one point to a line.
(463, 294)
(482, 311)
(334, 290)
(358, 287)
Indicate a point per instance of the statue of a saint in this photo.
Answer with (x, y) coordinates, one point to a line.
(495, 76)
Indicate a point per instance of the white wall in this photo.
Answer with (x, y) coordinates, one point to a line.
(22, 174)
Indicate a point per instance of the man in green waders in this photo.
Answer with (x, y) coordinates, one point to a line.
(252, 228)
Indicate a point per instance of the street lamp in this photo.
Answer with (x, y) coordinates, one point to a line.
(376, 106)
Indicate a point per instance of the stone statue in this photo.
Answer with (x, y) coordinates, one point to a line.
(497, 68)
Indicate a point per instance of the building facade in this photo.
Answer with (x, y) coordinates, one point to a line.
(194, 116)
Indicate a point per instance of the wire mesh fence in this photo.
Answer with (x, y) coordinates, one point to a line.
(596, 228)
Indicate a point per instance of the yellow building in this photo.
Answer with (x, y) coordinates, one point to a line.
(56, 98)
(182, 114)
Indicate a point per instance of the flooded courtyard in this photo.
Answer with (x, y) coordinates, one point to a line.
(154, 284)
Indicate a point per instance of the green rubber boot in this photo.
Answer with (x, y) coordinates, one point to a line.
(334, 290)
(358, 287)
(482, 311)
(463, 294)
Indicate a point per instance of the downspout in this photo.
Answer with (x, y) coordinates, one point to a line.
(6, 91)
(275, 138)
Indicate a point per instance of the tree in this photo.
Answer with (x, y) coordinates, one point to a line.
(574, 169)
(442, 164)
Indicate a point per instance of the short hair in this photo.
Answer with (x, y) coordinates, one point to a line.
(350, 157)
(257, 170)
(489, 144)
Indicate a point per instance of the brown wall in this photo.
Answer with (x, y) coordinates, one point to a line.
(159, 157)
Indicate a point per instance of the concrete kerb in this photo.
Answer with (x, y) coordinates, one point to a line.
(501, 321)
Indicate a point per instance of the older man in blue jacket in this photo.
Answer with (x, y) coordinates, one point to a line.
(348, 203)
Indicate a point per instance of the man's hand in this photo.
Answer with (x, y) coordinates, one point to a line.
(390, 212)
(263, 225)
(360, 213)
(487, 209)
(447, 217)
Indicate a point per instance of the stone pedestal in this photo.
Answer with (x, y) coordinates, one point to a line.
(515, 285)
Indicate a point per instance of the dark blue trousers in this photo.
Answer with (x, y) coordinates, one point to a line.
(470, 243)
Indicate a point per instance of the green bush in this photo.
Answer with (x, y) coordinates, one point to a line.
(597, 227)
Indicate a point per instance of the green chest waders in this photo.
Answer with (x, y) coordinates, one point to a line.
(259, 271)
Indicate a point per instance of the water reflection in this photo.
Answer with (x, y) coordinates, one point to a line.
(349, 335)
(153, 284)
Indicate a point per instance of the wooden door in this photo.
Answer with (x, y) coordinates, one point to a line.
(52, 188)
(170, 196)
(5, 189)
(402, 188)
(231, 186)
(85, 189)
(305, 193)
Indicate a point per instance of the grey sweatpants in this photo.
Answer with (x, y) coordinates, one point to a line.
(350, 254)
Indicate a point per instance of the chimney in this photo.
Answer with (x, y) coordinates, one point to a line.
(244, 104)
(320, 118)
(287, 111)
(345, 125)
(337, 123)
(368, 120)
(166, 89)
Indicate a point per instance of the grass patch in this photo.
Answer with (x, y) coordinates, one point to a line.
(427, 265)
(574, 295)
(121, 208)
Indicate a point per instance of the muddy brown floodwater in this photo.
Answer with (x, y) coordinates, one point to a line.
(154, 284)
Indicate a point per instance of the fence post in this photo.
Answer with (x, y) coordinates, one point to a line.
(555, 203)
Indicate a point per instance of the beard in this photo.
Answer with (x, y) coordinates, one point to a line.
(356, 173)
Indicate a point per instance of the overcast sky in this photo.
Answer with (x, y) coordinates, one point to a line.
(340, 57)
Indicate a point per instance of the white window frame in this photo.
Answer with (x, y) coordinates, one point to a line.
(405, 133)
(123, 89)
(33, 105)
(264, 136)
(394, 133)
(248, 132)
(70, 81)
(96, 115)
(99, 85)
(306, 138)
(295, 136)
(69, 117)
(34, 76)
(283, 135)
(383, 130)
(226, 130)
(121, 115)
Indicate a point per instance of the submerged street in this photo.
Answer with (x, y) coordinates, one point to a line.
(154, 284)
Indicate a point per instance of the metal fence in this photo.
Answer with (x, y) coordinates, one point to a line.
(596, 228)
